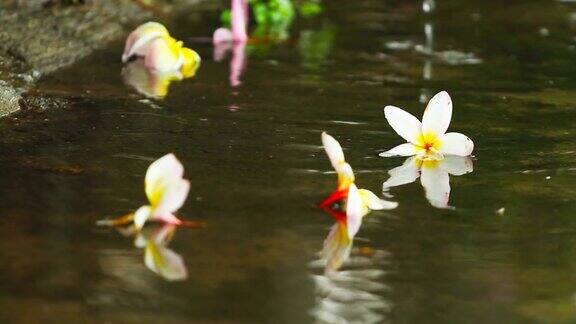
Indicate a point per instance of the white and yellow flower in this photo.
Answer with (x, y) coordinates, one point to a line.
(434, 176)
(427, 138)
(166, 191)
(161, 53)
(362, 201)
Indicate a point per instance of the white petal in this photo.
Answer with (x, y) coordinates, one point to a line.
(138, 41)
(375, 203)
(173, 198)
(141, 216)
(355, 210)
(456, 144)
(406, 125)
(406, 149)
(437, 115)
(457, 165)
(165, 170)
(345, 175)
(161, 56)
(404, 174)
(165, 262)
(436, 183)
(333, 150)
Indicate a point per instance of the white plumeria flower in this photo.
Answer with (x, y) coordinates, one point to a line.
(434, 176)
(161, 53)
(346, 178)
(166, 191)
(428, 138)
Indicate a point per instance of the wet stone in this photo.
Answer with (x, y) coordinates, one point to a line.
(39, 39)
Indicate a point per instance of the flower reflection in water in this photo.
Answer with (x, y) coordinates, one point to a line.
(237, 61)
(157, 256)
(150, 83)
(354, 294)
(434, 176)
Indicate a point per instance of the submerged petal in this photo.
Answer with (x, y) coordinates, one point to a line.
(456, 144)
(406, 149)
(436, 183)
(406, 125)
(437, 115)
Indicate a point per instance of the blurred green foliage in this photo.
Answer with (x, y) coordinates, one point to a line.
(276, 15)
(310, 8)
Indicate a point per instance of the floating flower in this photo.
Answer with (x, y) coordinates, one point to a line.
(428, 138)
(166, 191)
(434, 176)
(160, 51)
(359, 202)
(158, 257)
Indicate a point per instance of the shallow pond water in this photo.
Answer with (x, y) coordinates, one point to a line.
(506, 252)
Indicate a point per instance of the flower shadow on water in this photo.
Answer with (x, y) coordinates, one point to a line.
(434, 176)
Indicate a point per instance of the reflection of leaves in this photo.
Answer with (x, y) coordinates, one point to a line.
(310, 8)
(273, 12)
(315, 45)
(226, 18)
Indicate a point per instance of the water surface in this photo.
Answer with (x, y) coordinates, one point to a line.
(254, 159)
